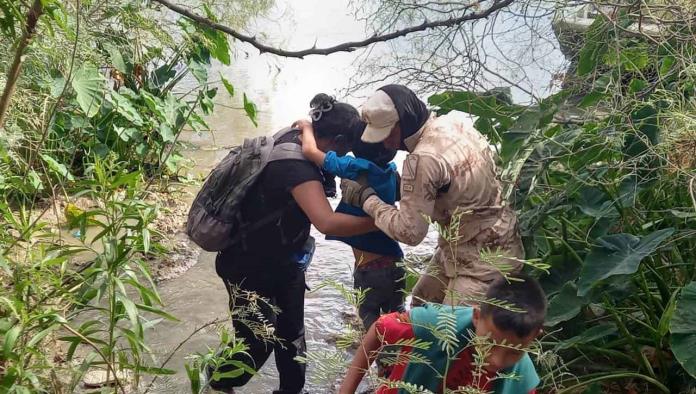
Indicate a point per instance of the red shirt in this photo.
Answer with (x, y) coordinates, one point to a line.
(395, 327)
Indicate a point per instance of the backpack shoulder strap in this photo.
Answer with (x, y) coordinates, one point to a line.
(284, 131)
(286, 151)
(282, 151)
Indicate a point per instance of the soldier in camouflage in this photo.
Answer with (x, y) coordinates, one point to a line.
(450, 178)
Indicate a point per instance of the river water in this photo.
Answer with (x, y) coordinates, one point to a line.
(282, 89)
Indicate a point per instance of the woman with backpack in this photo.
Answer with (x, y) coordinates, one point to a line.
(269, 261)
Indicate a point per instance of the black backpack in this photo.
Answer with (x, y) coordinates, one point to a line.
(214, 220)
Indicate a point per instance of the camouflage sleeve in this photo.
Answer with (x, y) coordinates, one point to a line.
(421, 177)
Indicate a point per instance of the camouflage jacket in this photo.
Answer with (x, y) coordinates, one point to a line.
(450, 177)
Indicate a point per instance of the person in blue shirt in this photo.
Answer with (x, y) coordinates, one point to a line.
(376, 255)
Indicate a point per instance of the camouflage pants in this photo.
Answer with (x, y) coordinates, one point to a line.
(461, 278)
(439, 288)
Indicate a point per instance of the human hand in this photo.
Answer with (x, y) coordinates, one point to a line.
(354, 193)
(303, 124)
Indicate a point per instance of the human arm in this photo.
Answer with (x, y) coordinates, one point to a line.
(341, 166)
(312, 200)
(422, 177)
(309, 144)
(364, 356)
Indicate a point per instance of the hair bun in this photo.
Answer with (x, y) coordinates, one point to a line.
(322, 100)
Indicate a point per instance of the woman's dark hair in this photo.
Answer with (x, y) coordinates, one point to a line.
(375, 153)
(331, 118)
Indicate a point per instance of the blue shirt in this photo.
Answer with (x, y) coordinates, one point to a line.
(384, 182)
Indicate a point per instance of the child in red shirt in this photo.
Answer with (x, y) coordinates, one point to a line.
(507, 331)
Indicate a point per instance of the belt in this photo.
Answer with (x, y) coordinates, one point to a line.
(379, 263)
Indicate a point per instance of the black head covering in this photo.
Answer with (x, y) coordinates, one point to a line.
(413, 113)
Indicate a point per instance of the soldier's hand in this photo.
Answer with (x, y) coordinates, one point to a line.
(354, 193)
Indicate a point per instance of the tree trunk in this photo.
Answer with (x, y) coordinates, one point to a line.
(35, 12)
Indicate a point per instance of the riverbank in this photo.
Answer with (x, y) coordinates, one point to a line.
(176, 252)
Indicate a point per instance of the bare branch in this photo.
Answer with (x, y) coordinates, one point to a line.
(344, 47)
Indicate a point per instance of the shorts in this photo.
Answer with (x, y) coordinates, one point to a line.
(385, 281)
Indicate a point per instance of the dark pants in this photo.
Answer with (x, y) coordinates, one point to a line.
(386, 282)
(283, 284)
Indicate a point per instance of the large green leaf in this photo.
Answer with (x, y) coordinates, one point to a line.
(172, 110)
(645, 118)
(57, 86)
(9, 341)
(57, 13)
(595, 46)
(521, 131)
(684, 320)
(127, 133)
(632, 58)
(520, 178)
(617, 254)
(528, 127)
(218, 44)
(592, 334)
(666, 64)
(89, 85)
(199, 70)
(497, 111)
(163, 74)
(592, 98)
(166, 132)
(595, 202)
(116, 58)
(56, 167)
(563, 268)
(564, 306)
(487, 106)
(683, 329)
(154, 103)
(125, 108)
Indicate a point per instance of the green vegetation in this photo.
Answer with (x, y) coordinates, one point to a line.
(602, 174)
(101, 95)
(606, 198)
(103, 80)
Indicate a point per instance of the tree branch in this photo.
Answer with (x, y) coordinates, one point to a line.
(35, 12)
(344, 47)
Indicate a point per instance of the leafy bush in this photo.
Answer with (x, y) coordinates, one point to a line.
(603, 201)
(107, 85)
(97, 113)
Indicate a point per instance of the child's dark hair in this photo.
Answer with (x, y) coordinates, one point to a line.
(522, 291)
(375, 153)
(331, 118)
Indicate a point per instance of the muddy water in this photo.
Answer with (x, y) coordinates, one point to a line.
(282, 89)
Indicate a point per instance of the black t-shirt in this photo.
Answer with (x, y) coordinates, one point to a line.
(279, 239)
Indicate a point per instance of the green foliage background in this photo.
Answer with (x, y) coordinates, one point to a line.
(602, 175)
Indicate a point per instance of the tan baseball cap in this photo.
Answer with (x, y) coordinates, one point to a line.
(380, 115)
